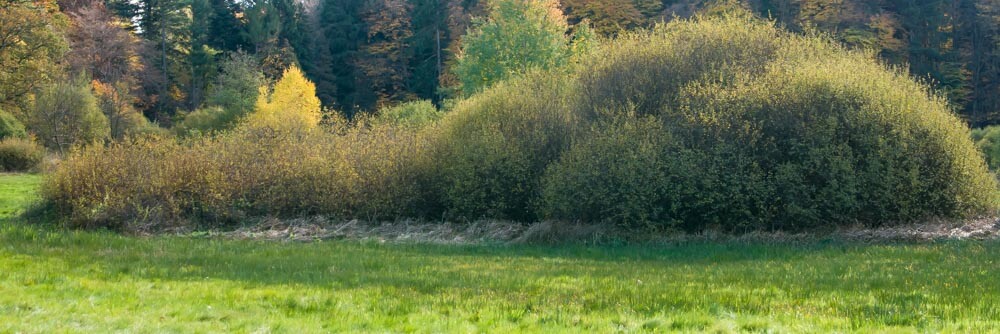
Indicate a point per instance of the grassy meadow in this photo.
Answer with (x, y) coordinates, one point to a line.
(55, 280)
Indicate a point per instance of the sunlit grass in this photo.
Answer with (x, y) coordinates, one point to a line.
(54, 280)
(17, 191)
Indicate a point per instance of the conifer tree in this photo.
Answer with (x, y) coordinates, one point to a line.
(385, 61)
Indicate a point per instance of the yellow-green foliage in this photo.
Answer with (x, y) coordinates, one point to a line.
(644, 71)
(20, 155)
(10, 126)
(844, 139)
(725, 122)
(616, 173)
(493, 147)
(203, 120)
(389, 172)
(371, 172)
(518, 35)
(988, 141)
(415, 114)
(776, 131)
(291, 104)
(66, 114)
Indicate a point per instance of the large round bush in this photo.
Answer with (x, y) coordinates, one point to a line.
(767, 130)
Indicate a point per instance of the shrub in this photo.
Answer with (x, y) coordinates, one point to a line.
(415, 114)
(780, 131)
(216, 180)
(645, 71)
(389, 172)
(204, 121)
(722, 123)
(20, 155)
(842, 141)
(615, 173)
(493, 148)
(10, 127)
(988, 141)
(632, 172)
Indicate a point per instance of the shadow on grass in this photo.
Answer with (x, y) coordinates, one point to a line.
(269, 262)
(892, 284)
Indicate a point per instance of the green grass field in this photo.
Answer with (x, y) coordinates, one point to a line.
(54, 280)
(16, 193)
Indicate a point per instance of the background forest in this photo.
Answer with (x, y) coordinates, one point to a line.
(499, 165)
(163, 59)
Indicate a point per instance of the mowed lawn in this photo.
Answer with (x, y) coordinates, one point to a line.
(52, 280)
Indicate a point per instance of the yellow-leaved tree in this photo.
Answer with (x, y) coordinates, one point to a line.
(291, 105)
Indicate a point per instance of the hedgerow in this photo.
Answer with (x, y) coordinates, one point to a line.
(726, 123)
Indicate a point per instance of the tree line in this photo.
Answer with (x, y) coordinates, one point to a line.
(163, 59)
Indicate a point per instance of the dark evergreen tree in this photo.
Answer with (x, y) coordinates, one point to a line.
(385, 60)
(316, 60)
(427, 47)
(165, 25)
(202, 55)
(345, 32)
(225, 29)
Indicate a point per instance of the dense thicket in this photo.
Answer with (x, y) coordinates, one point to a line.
(725, 123)
(368, 173)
